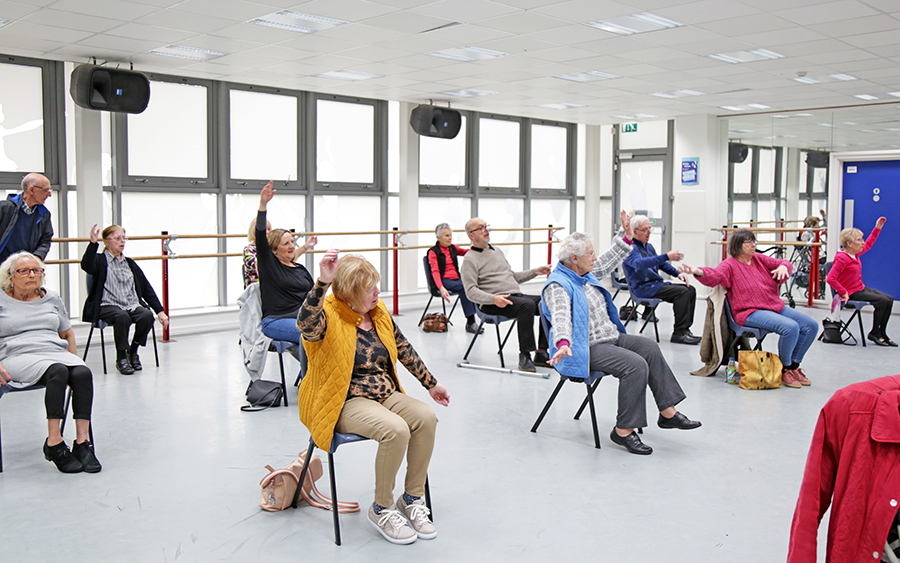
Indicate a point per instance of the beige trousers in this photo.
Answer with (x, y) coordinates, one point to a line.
(400, 425)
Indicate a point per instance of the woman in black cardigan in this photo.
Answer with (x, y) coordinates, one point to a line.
(119, 296)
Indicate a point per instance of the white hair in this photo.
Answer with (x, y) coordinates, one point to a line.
(573, 245)
(439, 230)
(637, 220)
(10, 264)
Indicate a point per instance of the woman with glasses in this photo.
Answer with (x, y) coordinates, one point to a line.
(119, 296)
(752, 279)
(37, 347)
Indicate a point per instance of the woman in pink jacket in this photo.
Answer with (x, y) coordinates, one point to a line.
(845, 277)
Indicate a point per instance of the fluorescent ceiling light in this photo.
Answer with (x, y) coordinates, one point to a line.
(588, 76)
(826, 124)
(732, 108)
(190, 53)
(895, 94)
(4, 22)
(635, 116)
(784, 136)
(468, 93)
(806, 80)
(740, 131)
(348, 75)
(866, 130)
(802, 115)
(781, 116)
(635, 23)
(676, 94)
(746, 56)
(866, 97)
(562, 105)
(758, 106)
(842, 77)
(468, 54)
(296, 21)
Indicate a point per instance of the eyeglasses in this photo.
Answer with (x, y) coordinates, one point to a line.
(484, 228)
(645, 229)
(42, 189)
(119, 239)
(26, 271)
(751, 241)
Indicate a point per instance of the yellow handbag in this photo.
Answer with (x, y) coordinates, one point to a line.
(759, 370)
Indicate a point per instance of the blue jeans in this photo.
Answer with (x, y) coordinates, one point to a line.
(456, 286)
(797, 331)
(281, 329)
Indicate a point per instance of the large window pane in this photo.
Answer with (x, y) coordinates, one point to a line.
(765, 211)
(581, 160)
(546, 212)
(345, 142)
(498, 160)
(345, 213)
(820, 180)
(21, 118)
(442, 162)
(193, 282)
(505, 214)
(451, 210)
(742, 176)
(263, 136)
(742, 211)
(169, 138)
(766, 171)
(548, 157)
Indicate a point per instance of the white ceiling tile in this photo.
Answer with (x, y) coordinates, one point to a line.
(718, 44)
(81, 54)
(466, 34)
(892, 50)
(230, 9)
(214, 69)
(465, 11)
(257, 76)
(681, 35)
(215, 43)
(528, 4)
(363, 33)
(256, 33)
(745, 25)
(374, 53)
(114, 9)
(119, 43)
(840, 57)
(32, 43)
(22, 29)
(407, 22)
(188, 21)
(347, 10)
(563, 54)
(68, 20)
(873, 39)
(403, 4)
(383, 68)
(767, 39)
(581, 11)
(319, 43)
(158, 3)
(150, 33)
(15, 10)
(614, 45)
(523, 22)
(655, 54)
(827, 12)
(706, 11)
(277, 53)
(857, 26)
(419, 43)
(517, 44)
(567, 35)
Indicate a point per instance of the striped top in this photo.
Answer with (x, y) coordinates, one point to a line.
(119, 287)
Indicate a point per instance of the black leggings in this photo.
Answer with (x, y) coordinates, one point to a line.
(56, 379)
(883, 304)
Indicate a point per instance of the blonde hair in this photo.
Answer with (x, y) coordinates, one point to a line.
(251, 232)
(811, 221)
(353, 278)
(849, 234)
(108, 231)
(274, 237)
(10, 263)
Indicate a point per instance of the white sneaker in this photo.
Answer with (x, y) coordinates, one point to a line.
(417, 514)
(392, 525)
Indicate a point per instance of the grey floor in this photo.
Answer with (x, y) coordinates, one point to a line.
(182, 463)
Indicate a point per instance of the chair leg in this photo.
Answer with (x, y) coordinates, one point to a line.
(444, 307)
(155, 350)
(283, 386)
(427, 498)
(474, 337)
(62, 425)
(503, 344)
(553, 395)
(309, 453)
(88, 345)
(584, 403)
(655, 325)
(425, 312)
(629, 317)
(590, 398)
(453, 308)
(499, 346)
(862, 335)
(334, 501)
(103, 350)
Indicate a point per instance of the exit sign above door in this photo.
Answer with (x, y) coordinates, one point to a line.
(630, 128)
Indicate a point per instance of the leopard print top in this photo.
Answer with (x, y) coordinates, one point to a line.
(372, 367)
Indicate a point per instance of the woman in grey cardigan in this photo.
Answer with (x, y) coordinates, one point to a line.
(37, 347)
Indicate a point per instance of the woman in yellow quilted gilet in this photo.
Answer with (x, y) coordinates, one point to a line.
(351, 386)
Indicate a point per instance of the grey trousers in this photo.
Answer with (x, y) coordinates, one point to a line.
(637, 362)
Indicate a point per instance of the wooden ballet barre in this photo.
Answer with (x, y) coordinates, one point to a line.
(772, 229)
(776, 243)
(766, 222)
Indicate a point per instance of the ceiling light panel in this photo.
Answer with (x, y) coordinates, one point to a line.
(468, 93)
(296, 21)
(190, 53)
(840, 77)
(635, 23)
(347, 75)
(635, 116)
(676, 94)
(866, 97)
(468, 54)
(589, 76)
(737, 57)
(562, 105)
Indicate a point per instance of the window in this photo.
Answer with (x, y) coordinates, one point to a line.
(547, 212)
(454, 211)
(498, 153)
(442, 162)
(349, 213)
(505, 214)
(548, 157)
(345, 142)
(21, 118)
(263, 136)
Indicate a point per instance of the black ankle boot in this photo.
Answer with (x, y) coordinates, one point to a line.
(63, 458)
(84, 452)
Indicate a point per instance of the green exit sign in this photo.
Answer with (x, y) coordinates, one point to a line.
(631, 128)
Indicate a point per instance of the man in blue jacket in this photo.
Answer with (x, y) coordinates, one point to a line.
(24, 221)
(642, 270)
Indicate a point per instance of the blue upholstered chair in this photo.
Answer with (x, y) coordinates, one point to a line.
(494, 320)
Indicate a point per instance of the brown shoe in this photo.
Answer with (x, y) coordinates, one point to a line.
(789, 379)
(801, 377)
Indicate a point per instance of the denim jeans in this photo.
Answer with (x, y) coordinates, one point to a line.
(456, 286)
(281, 329)
(797, 331)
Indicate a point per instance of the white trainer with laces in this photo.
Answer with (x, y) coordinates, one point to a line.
(417, 514)
(392, 525)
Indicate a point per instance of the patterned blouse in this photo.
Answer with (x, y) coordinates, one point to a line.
(250, 272)
(372, 367)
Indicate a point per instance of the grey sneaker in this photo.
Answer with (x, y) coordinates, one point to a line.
(392, 525)
(417, 514)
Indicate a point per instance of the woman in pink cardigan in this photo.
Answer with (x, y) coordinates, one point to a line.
(845, 277)
(752, 281)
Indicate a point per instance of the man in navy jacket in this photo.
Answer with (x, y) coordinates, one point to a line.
(642, 270)
(24, 221)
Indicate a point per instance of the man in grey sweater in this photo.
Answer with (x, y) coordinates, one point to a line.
(491, 284)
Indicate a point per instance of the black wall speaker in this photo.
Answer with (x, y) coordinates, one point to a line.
(109, 89)
(737, 152)
(817, 159)
(432, 121)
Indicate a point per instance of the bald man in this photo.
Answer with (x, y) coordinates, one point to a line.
(24, 221)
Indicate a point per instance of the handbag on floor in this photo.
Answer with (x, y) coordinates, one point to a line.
(831, 332)
(435, 322)
(280, 485)
(759, 369)
(262, 394)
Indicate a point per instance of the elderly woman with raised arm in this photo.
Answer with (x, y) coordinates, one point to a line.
(846, 279)
(752, 280)
(352, 387)
(37, 347)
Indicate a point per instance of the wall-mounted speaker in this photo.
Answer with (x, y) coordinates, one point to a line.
(109, 89)
(817, 159)
(737, 152)
(432, 121)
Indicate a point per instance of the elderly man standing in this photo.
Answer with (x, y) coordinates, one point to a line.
(490, 282)
(586, 335)
(642, 270)
(24, 221)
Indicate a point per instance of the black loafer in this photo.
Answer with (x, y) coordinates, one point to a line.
(878, 340)
(124, 367)
(678, 421)
(632, 443)
(542, 359)
(134, 360)
(62, 458)
(84, 452)
(472, 328)
(686, 338)
(525, 363)
(890, 342)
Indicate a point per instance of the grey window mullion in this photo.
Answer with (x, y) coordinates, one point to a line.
(473, 145)
(525, 139)
(222, 158)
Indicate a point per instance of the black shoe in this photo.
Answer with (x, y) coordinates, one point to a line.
(542, 359)
(685, 338)
(880, 340)
(889, 341)
(84, 452)
(124, 367)
(649, 316)
(632, 443)
(472, 328)
(62, 457)
(678, 421)
(134, 360)
(525, 363)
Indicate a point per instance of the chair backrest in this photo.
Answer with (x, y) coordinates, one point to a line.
(827, 267)
(731, 322)
(432, 287)
(617, 285)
